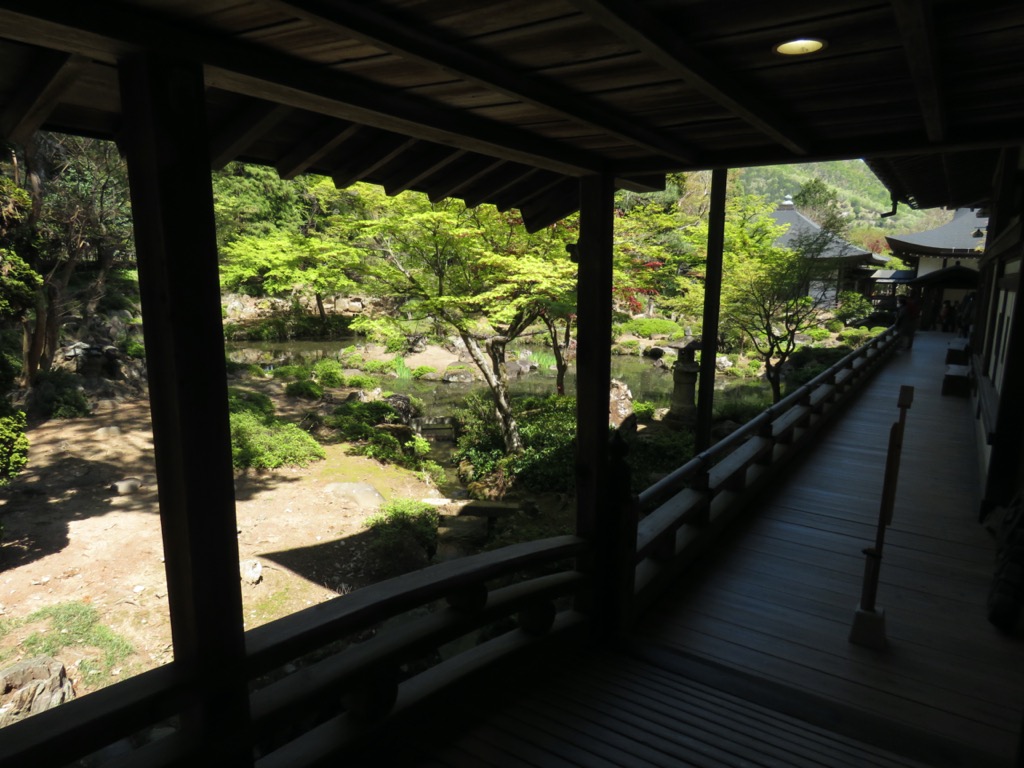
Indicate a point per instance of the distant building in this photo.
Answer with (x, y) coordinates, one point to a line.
(852, 264)
(944, 261)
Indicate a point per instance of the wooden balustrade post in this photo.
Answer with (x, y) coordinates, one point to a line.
(868, 622)
(622, 545)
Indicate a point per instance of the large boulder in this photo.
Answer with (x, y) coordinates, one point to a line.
(362, 495)
(32, 686)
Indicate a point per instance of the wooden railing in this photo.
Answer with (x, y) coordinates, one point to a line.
(306, 664)
(315, 691)
(681, 515)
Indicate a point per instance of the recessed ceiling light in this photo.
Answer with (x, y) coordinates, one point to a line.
(800, 47)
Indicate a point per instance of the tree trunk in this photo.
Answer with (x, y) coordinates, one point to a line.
(320, 308)
(557, 347)
(774, 375)
(497, 379)
(34, 336)
(105, 256)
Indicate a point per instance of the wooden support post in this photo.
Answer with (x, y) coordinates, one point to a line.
(712, 302)
(166, 145)
(594, 514)
(868, 623)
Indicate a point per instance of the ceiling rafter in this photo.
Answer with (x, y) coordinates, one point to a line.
(631, 22)
(250, 69)
(493, 184)
(316, 146)
(247, 126)
(461, 178)
(530, 187)
(411, 39)
(42, 85)
(369, 151)
(914, 20)
(558, 202)
(430, 160)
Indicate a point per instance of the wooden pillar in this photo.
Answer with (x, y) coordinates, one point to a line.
(165, 141)
(712, 302)
(594, 515)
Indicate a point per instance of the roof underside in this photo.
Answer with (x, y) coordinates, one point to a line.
(511, 101)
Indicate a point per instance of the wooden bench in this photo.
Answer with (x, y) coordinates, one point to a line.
(957, 381)
(958, 352)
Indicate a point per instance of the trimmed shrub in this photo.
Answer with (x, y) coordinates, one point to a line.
(643, 410)
(649, 327)
(298, 372)
(266, 443)
(422, 370)
(399, 523)
(329, 372)
(818, 334)
(834, 325)
(245, 400)
(307, 390)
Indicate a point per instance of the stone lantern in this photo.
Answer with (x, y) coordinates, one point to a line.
(682, 412)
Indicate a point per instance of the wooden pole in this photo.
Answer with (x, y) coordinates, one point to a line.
(869, 625)
(166, 144)
(712, 311)
(594, 514)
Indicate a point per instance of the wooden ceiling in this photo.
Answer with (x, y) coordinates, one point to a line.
(511, 101)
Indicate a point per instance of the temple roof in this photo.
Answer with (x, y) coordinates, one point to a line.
(964, 237)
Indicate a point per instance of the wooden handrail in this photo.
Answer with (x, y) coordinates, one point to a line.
(280, 641)
(685, 510)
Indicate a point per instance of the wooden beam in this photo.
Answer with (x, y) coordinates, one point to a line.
(430, 160)
(107, 30)
(914, 21)
(560, 200)
(166, 146)
(493, 184)
(314, 148)
(462, 175)
(369, 151)
(39, 90)
(533, 184)
(245, 128)
(634, 24)
(408, 37)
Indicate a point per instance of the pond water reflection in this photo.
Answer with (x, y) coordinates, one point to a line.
(646, 380)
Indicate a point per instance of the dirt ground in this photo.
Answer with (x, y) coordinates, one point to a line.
(71, 536)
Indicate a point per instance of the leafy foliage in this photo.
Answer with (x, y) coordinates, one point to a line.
(13, 446)
(548, 428)
(261, 441)
(57, 394)
(852, 306)
(401, 518)
(267, 443)
(373, 428)
(649, 327)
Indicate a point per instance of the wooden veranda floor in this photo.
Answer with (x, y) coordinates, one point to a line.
(748, 662)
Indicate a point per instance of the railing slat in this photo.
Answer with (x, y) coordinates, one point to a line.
(280, 641)
(401, 644)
